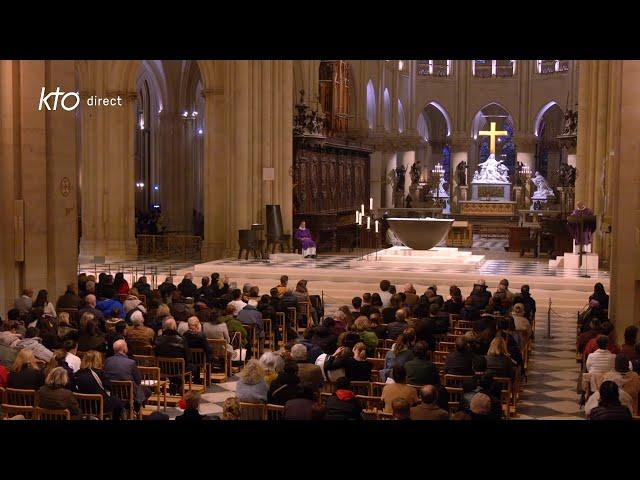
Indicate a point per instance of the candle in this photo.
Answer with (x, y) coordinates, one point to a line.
(359, 218)
(376, 226)
(357, 212)
(371, 203)
(362, 206)
(368, 223)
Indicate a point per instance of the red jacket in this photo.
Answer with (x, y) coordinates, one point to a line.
(124, 288)
(4, 376)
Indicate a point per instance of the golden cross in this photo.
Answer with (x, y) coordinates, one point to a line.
(493, 133)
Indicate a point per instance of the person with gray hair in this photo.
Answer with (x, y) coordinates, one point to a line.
(310, 374)
(139, 335)
(410, 294)
(120, 367)
(90, 307)
(54, 396)
(273, 365)
(171, 344)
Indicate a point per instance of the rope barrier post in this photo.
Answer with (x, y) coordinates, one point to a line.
(549, 321)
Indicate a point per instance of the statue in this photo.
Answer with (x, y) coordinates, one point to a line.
(416, 172)
(492, 171)
(441, 192)
(391, 179)
(573, 124)
(567, 123)
(543, 190)
(400, 172)
(567, 175)
(461, 174)
(407, 201)
(476, 176)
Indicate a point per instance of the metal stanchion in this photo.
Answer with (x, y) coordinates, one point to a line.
(549, 321)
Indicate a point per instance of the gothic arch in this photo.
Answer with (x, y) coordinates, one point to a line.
(488, 109)
(444, 113)
(387, 109)
(371, 104)
(400, 116)
(541, 113)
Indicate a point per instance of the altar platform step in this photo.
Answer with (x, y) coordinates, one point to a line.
(401, 257)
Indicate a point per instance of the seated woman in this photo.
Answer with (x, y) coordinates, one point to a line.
(251, 387)
(25, 373)
(499, 362)
(91, 380)
(303, 235)
(53, 394)
(353, 361)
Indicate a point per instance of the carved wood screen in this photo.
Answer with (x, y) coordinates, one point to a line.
(334, 95)
(330, 180)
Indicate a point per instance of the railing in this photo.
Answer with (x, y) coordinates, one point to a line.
(171, 246)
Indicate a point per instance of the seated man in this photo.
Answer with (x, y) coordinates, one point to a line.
(121, 367)
(428, 409)
(398, 389)
(401, 409)
(310, 374)
(525, 298)
(421, 371)
(171, 344)
(602, 360)
(398, 326)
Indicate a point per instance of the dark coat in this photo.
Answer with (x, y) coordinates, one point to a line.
(198, 340)
(323, 338)
(92, 342)
(459, 363)
(395, 328)
(284, 388)
(58, 398)
(501, 366)
(190, 415)
(421, 372)
(121, 367)
(619, 412)
(26, 379)
(69, 300)
(354, 370)
(347, 409)
(171, 344)
(188, 288)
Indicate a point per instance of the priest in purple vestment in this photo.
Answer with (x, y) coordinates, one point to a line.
(303, 235)
(581, 211)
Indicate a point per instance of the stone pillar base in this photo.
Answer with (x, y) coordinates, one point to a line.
(213, 251)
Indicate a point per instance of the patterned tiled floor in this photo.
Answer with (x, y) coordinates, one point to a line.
(550, 392)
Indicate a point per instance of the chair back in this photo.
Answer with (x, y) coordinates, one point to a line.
(146, 360)
(383, 415)
(150, 378)
(446, 347)
(360, 387)
(382, 352)
(198, 357)
(25, 398)
(220, 353)
(253, 411)
(456, 380)
(140, 348)
(281, 325)
(123, 391)
(376, 363)
(370, 403)
(275, 412)
(388, 343)
(91, 404)
(47, 414)
(455, 398)
(8, 411)
(1, 395)
(439, 357)
(375, 388)
(324, 396)
(269, 338)
(171, 367)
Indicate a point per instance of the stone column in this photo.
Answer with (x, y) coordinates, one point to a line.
(624, 305)
(39, 245)
(459, 145)
(598, 128)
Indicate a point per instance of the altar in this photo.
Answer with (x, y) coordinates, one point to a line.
(494, 192)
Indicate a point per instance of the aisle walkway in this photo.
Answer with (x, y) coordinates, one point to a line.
(550, 393)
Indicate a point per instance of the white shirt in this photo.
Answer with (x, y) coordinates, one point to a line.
(73, 361)
(625, 399)
(601, 361)
(386, 298)
(237, 306)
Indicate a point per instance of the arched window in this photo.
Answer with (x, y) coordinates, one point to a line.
(371, 105)
(493, 68)
(387, 110)
(545, 67)
(436, 68)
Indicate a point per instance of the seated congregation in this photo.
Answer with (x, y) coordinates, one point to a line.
(610, 373)
(110, 351)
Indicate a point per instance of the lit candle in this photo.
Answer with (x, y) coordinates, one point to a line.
(362, 206)
(376, 226)
(371, 203)
(359, 218)
(357, 214)
(368, 223)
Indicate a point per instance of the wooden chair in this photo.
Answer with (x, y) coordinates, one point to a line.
(439, 357)
(143, 349)
(91, 404)
(375, 388)
(8, 411)
(281, 325)
(275, 412)
(198, 358)
(123, 391)
(146, 360)
(324, 396)
(369, 415)
(382, 352)
(376, 363)
(219, 351)
(56, 415)
(370, 403)
(269, 337)
(305, 308)
(253, 340)
(253, 411)
(174, 368)
(455, 398)
(388, 343)
(1, 395)
(360, 387)
(380, 415)
(446, 347)
(507, 396)
(456, 380)
(25, 398)
(151, 379)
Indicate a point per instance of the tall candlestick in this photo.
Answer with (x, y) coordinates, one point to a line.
(359, 218)
(376, 226)
(362, 206)
(371, 203)
(357, 215)
(368, 223)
